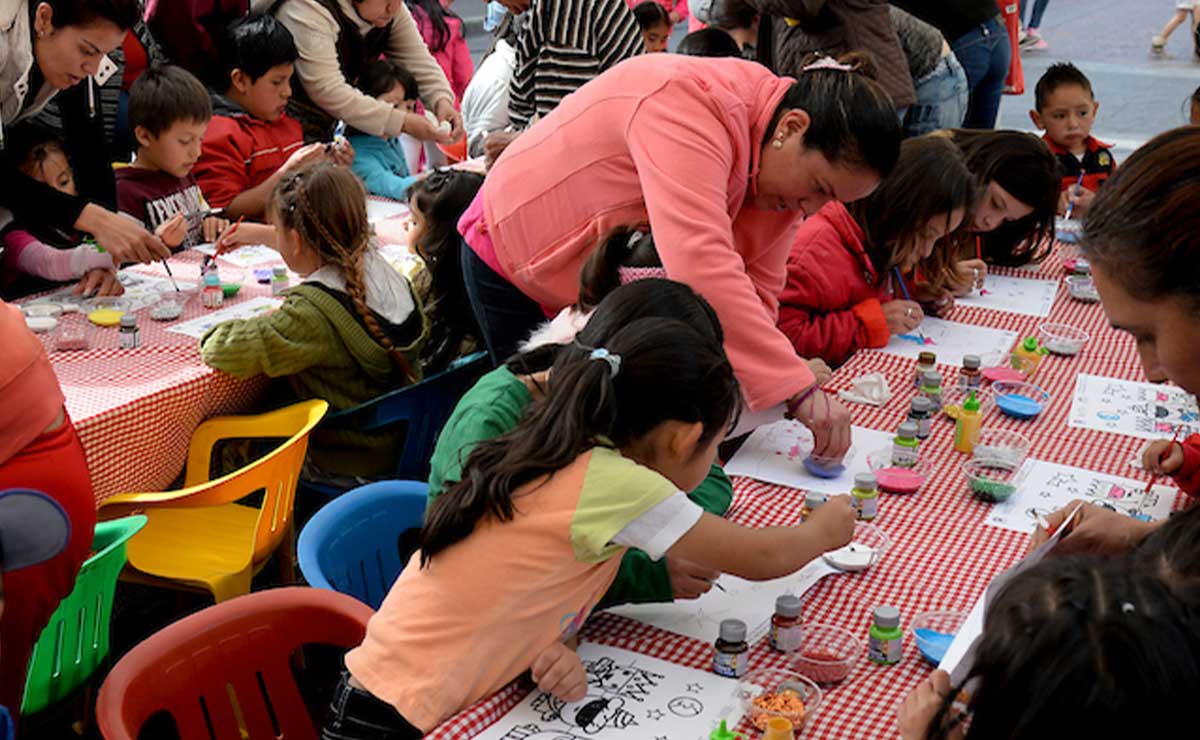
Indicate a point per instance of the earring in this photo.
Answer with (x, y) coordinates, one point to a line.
(778, 143)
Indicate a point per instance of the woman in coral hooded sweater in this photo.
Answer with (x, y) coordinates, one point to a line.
(843, 291)
(721, 159)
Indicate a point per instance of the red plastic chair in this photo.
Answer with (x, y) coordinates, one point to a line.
(225, 672)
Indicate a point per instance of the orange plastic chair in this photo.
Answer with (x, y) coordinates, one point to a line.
(224, 673)
(199, 537)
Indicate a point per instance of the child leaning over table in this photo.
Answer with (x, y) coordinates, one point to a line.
(38, 257)
(496, 403)
(169, 110)
(515, 556)
(378, 161)
(351, 331)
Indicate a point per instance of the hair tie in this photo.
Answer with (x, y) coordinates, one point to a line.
(828, 63)
(627, 275)
(613, 360)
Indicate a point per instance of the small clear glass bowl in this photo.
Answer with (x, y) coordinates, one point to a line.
(828, 655)
(993, 481)
(766, 682)
(1062, 339)
(930, 628)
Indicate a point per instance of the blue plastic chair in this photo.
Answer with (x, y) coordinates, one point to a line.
(424, 407)
(359, 542)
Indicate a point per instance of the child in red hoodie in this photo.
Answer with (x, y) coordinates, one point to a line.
(841, 293)
(1180, 460)
(251, 143)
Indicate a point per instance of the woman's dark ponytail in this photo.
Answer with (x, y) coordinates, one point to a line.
(651, 371)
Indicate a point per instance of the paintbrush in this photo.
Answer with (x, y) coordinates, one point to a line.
(1162, 457)
(1075, 192)
(168, 268)
(719, 587)
(907, 296)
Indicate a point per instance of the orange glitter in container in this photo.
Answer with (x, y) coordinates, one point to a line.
(785, 703)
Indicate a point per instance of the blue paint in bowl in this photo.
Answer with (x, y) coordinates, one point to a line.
(932, 644)
(1018, 406)
(823, 469)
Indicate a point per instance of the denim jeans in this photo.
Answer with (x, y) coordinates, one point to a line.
(941, 99)
(984, 54)
(505, 315)
(357, 715)
(1039, 9)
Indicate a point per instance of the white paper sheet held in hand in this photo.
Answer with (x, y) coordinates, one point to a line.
(753, 602)
(200, 325)
(950, 340)
(775, 453)
(1140, 410)
(1044, 487)
(1014, 295)
(379, 210)
(960, 656)
(628, 696)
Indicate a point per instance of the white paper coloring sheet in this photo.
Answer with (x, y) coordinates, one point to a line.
(1014, 295)
(1044, 487)
(775, 453)
(251, 255)
(1142, 410)
(200, 325)
(753, 602)
(950, 340)
(629, 696)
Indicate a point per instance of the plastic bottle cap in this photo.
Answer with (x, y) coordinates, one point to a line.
(212, 279)
(907, 429)
(927, 358)
(971, 362)
(733, 630)
(971, 404)
(788, 605)
(922, 405)
(724, 733)
(1030, 344)
(866, 481)
(129, 321)
(933, 377)
(279, 272)
(813, 499)
(887, 617)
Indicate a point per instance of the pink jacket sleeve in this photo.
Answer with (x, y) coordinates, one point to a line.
(826, 310)
(681, 7)
(687, 201)
(23, 253)
(1188, 475)
(462, 69)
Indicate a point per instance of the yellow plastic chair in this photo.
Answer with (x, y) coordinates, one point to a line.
(198, 537)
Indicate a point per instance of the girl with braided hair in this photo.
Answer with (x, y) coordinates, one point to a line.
(352, 330)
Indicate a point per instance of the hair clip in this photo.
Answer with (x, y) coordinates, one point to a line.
(828, 63)
(613, 360)
(1128, 607)
(634, 238)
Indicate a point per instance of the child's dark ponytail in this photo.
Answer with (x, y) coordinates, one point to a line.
(601, 274)
(854, 121)
(651, 371)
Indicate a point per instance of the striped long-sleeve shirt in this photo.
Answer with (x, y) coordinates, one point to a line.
(564, 44)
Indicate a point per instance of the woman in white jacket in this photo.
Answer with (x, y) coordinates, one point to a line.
(47, 48)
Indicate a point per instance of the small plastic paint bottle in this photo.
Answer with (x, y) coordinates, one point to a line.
(787, 635)
(779, 728)
(212, 296)
(866, 493)
(812, 501)
(922, 413)
(885, 638)
(931, 388)
(1030, 350)
(732, 650)
(279, 280)
(905, 446)
(970, 376)
(966, 427)
(926, 361)
(128, 335)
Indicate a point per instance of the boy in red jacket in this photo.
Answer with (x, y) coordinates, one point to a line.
(251, 143)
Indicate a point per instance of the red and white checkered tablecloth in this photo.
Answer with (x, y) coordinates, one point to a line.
(943, 554)
(136, 409)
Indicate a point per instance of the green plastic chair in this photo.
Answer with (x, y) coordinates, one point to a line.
(75, 642)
